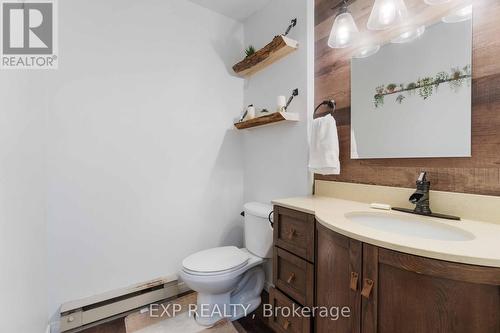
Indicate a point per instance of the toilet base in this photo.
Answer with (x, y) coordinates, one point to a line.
(209, 316)
(244, 299)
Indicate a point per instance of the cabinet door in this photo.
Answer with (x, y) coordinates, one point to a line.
(338, 275)
(294, 232)
(421, 295)
(294, 276)
(290, 323)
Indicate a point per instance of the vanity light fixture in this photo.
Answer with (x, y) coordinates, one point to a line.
(344, 29)
(436, 2)
(366, 51)
(460, 15)
(387, 13)
(409, 35)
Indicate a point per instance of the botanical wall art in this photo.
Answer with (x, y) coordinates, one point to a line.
(413, 99)
(424, 87)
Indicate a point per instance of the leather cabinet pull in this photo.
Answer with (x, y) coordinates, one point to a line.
(354, 281)
(291, 233)
(367, 288)
(290, 278)
(286, 324)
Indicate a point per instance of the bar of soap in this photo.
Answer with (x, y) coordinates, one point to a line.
(380, 206)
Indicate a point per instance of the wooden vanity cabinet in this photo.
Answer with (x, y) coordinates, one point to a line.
(416, 294)
(400, 293)
(293, 268)
(338, 276)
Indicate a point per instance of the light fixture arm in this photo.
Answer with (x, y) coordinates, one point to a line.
(342, 6)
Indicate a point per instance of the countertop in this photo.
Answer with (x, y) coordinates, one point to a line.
(483, 249)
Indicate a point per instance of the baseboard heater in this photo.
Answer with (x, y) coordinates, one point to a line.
(83, 313)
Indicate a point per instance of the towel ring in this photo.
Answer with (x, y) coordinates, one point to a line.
(330, 103)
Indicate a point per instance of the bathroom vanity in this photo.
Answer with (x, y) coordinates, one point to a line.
(293, 267)
(390, 291)
(392, 281)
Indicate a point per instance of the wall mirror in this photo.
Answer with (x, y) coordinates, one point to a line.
(411, 84)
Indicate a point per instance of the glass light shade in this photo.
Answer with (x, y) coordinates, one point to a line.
(436, 2)
(344, 30)
(386, 13)
(366, 51)
(409, 35)
(460, 15)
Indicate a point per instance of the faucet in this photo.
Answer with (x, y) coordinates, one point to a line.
(421, 199)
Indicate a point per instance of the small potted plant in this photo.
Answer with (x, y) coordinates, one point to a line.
(249, 51)
(391, 87)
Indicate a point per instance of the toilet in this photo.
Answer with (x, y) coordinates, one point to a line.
(230, 280)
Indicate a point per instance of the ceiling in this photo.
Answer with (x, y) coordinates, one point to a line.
(239, 10)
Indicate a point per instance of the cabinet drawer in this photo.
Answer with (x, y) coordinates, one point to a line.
(294, 276)
(289, 324)
(294, 232)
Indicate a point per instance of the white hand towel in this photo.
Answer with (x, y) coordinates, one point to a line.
(324, 149)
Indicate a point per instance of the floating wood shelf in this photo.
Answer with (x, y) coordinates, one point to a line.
(269, 119)
(279, 48)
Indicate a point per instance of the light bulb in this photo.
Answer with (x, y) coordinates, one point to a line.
(344, 30)
(386, 13)
(460, 15)
(409, 35)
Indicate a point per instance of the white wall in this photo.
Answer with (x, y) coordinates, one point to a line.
(124, 161)
(23, 287)
(276, 156)
(144, 168)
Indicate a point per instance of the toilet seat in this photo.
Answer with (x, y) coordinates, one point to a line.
(216, 261)
(187, 271)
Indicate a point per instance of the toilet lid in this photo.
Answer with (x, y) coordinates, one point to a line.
(216, 260)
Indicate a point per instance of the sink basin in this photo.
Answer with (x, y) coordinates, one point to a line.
(413, 226)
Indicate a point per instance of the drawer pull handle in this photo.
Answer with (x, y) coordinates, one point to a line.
(286, 324)
(367, 288)
(290, 278)
(292, 233)
(354, 281)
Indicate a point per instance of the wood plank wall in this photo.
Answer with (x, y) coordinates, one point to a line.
(479, 174)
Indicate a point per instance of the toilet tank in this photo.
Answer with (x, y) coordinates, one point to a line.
(258, 230)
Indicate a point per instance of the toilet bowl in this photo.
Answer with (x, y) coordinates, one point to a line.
(230, 280)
